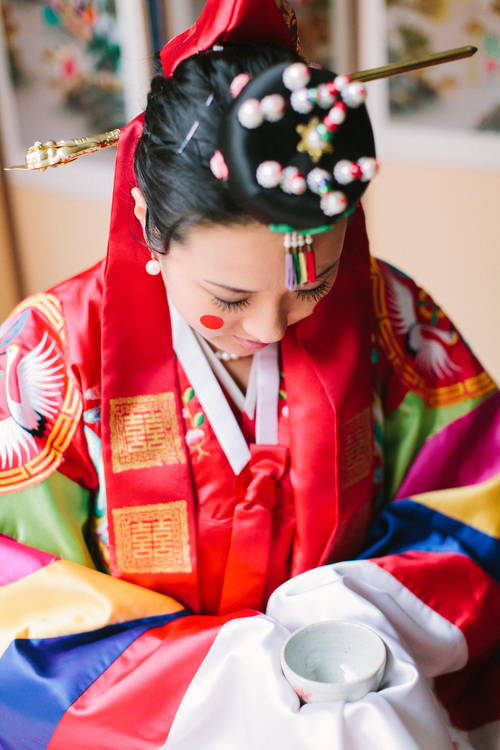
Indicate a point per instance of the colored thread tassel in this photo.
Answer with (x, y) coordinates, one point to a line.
(291, 279)
(303, 268)
(290, 275)
(310, 260)
(300, 266)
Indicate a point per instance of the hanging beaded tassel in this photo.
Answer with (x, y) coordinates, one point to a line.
(290, 275)
(300, 267)
(310, 260)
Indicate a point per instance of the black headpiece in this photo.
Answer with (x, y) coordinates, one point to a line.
(297, 151)
(298, 146)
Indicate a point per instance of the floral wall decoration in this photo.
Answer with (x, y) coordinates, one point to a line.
(64, 61)
(464, 95)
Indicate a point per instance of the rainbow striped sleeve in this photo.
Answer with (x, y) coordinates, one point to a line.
(86, 658)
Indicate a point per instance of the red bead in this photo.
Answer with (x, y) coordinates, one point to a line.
(329, 125)
(332, 89)
(357, 172)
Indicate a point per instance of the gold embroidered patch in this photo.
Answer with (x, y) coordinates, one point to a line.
(145, 432)
(356, 446)
(152, 538)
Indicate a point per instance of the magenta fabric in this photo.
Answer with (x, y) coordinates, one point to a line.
(19, 561)
(465, 452)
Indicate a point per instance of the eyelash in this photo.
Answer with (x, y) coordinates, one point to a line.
(315, 294)
(231, 306)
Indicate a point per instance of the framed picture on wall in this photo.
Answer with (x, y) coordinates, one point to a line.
(69, 69)
(448, 114)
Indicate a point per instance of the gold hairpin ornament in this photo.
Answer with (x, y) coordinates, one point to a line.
(40, 156)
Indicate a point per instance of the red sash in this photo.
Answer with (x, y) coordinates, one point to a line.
(148, 481)
(328, 374)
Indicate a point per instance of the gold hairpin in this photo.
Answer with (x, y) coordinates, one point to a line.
(39, 156)
(55, 153)
(398, 68)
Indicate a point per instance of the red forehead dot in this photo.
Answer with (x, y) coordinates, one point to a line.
(211, 321)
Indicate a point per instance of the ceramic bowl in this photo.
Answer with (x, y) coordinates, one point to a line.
(333, 660)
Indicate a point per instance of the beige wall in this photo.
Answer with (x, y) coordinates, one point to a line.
(442, 226)
(58, 235)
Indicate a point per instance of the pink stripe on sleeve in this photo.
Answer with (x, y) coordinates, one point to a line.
(468, 451)
(19, 560)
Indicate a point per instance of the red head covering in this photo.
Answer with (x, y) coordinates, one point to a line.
(148, 481)
(237, 21)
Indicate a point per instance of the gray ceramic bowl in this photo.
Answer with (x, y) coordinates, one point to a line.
(333, 660)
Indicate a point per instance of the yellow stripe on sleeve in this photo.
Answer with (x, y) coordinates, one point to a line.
(65, 598)
(477, 505)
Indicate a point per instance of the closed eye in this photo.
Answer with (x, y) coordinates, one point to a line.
(224, 304)
(314, 294)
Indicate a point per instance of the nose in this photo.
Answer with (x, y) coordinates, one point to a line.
(267, 323)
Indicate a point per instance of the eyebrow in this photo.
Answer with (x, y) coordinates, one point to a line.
(250, 291)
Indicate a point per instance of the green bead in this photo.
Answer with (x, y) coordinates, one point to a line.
(323, 132)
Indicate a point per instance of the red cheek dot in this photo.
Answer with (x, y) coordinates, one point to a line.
(211, 321)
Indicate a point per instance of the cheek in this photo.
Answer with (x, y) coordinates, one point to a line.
(212, 322)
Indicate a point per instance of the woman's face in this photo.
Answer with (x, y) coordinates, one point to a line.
(228, 283)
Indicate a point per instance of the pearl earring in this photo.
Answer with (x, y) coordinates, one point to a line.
(153, 267)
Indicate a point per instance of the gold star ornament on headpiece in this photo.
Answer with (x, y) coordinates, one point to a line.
(311, 142)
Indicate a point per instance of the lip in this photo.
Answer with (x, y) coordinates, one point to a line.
(252, 346)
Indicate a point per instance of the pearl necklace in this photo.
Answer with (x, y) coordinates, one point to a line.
(228, 356)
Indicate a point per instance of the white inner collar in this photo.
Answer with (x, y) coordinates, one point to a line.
(204, 371)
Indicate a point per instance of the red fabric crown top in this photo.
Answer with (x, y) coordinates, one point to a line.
(238, 21)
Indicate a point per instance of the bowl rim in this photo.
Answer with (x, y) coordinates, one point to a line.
(315, 684)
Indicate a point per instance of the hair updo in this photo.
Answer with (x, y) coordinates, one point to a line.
(179, 188)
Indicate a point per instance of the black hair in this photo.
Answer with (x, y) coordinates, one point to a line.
(178, 185)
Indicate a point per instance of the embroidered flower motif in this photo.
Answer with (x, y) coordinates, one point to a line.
(93, 394)
(92, 416)
(196, 436)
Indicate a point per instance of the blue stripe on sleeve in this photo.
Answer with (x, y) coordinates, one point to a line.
(41, 678)
(407, 525)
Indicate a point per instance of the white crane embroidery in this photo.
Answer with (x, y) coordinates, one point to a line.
(429, 352)
(40, 382)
